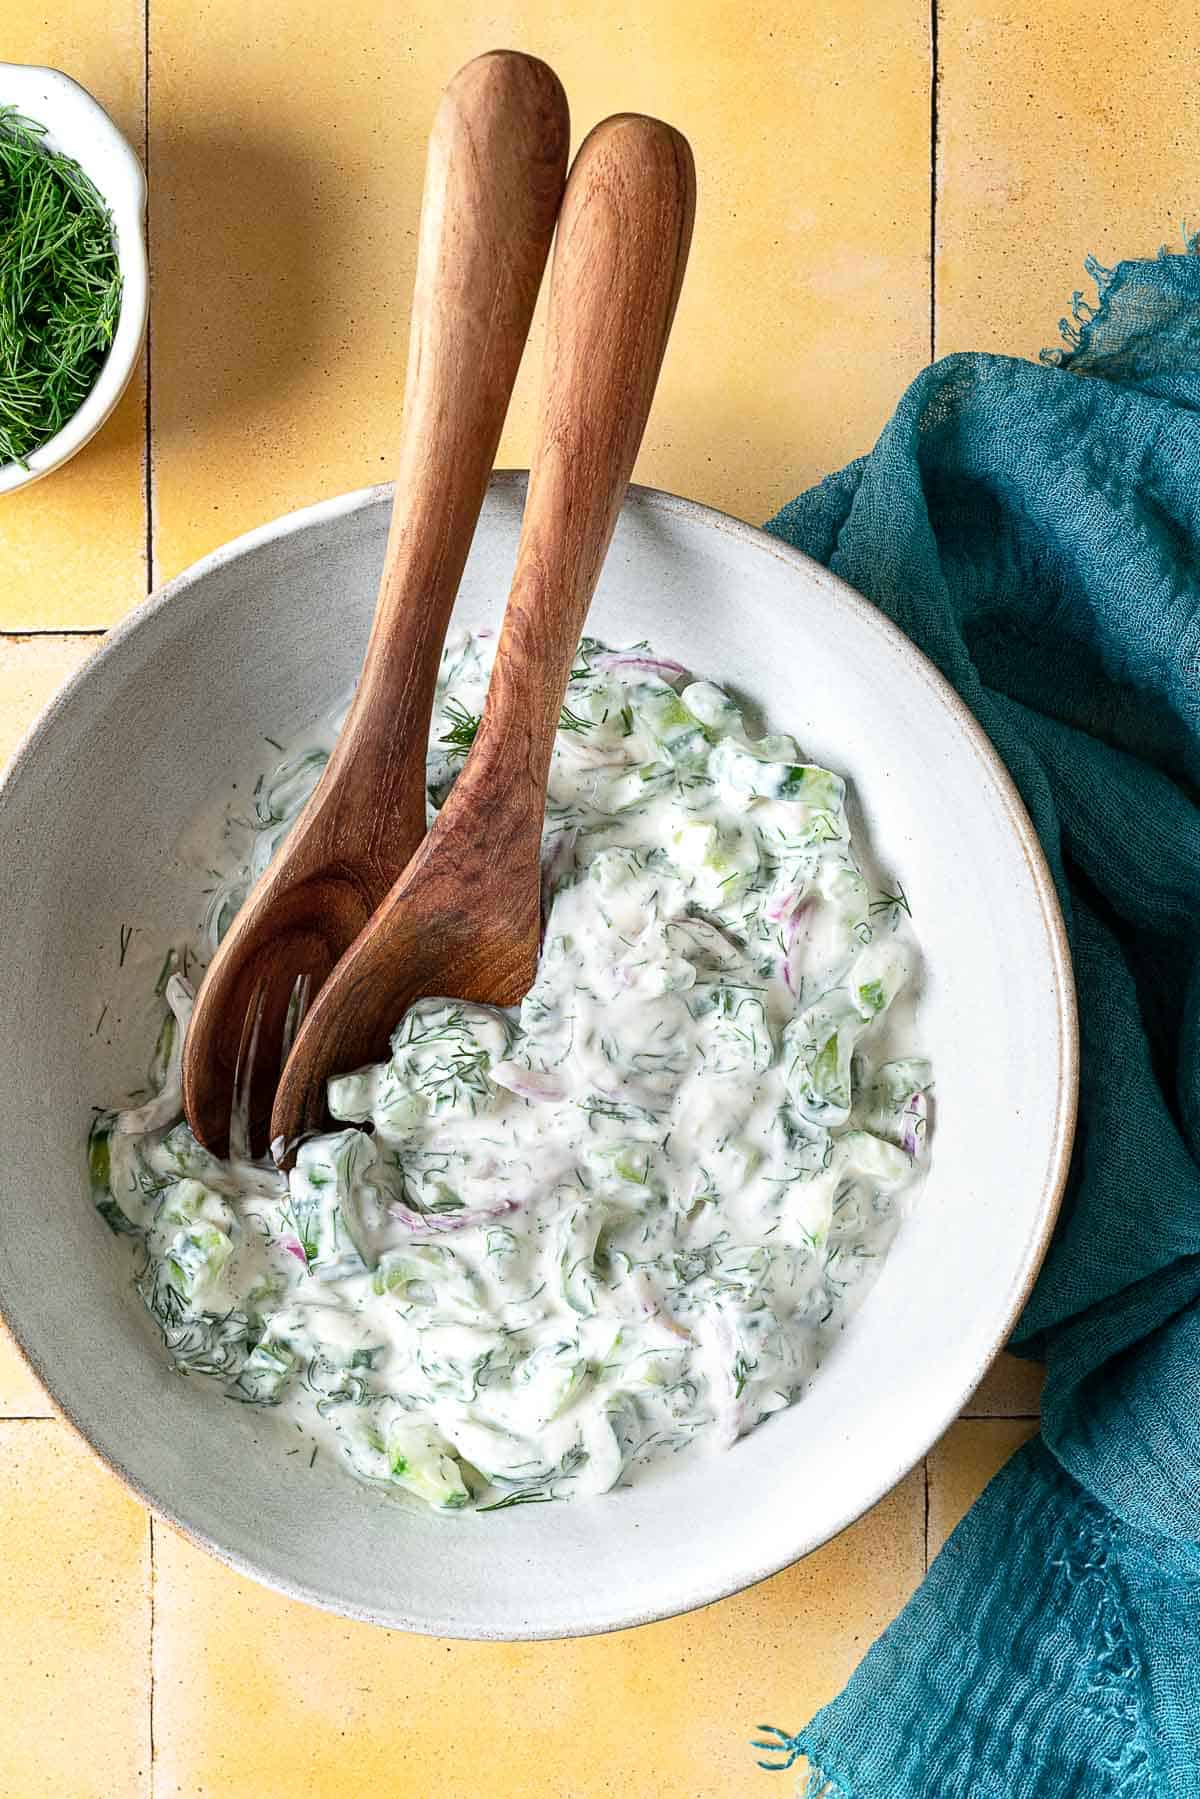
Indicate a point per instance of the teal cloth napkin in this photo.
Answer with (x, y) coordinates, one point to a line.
(1036, 530)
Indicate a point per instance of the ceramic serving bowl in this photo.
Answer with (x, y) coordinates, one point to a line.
(79, 127)
(261, 638)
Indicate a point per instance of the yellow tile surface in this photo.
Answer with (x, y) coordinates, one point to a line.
(1011, 1388)
(32, 669)
(20, 1394)
(286, 160)
(1060, 134)
(257, 1695)
(72, 547)
(962, 1464)
(75, 1642)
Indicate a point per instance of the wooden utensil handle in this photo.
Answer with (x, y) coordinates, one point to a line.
(494, 180)
(623, 239)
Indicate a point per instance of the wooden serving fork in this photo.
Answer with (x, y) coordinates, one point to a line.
(494, 181)
(463, 919)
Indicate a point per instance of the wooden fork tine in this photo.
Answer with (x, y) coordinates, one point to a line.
(297, 1008)
(243, 1075)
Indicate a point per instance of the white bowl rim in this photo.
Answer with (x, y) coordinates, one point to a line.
(58, 101)
(1066, 1095)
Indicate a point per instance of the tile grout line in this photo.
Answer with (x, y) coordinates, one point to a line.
(150, 589)
(153, 1579)
(148, 459)
(999, 1418)
(148, 467)
(934, 79)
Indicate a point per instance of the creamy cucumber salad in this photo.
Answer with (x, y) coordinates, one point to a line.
(545, 1248)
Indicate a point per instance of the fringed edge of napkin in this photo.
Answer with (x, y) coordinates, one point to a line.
(1076, 330)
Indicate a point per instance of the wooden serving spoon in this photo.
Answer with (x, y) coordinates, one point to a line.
(464, 917)
(494, 180)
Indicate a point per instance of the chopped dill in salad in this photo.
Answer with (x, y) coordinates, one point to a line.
(544, 1248)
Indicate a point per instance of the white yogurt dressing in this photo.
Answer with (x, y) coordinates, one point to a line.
(619, 1221)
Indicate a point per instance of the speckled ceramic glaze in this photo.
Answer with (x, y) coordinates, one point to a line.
(79, 127)
(261, 637)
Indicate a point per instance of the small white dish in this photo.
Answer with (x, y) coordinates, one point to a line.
(100, 866)
(79, 127)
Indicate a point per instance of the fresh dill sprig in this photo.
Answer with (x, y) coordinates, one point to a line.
(522, 1498)
(60, 287)
(463, 726)
(571, 721)
(895, 903)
